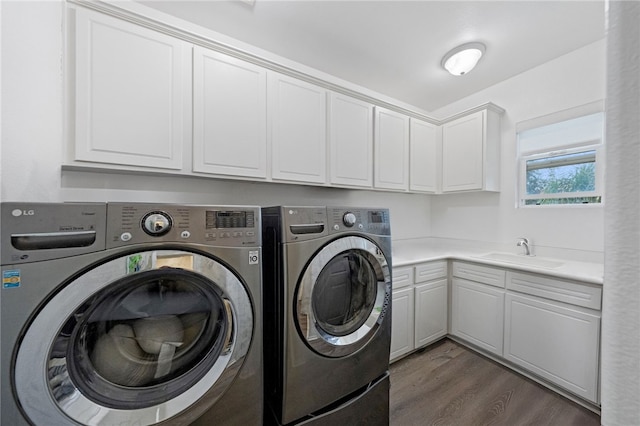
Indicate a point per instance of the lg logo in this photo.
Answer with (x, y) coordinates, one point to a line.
(19, 212)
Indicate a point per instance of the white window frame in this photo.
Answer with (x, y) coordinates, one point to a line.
(579, 143)
(596, 146)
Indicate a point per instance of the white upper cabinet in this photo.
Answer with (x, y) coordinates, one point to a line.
(471, 152)
(391, 139)
(132, 93)
(142, 98)
(423, 159)
(350, 141)
(229, 115)
(298, 120)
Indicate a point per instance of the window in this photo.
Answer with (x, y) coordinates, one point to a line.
(561, 162)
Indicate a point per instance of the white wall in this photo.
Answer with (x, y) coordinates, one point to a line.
(33, 141)
(31, 99)
(572, 80)
(409, 212)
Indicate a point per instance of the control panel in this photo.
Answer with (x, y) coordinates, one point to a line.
(212, 225)
(305, 223)
(371, 221)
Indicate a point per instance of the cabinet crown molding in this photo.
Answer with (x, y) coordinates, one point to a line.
(490, 106)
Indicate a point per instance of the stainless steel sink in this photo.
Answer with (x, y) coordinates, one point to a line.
(522, 260)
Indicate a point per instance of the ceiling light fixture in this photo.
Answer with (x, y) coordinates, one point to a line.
(462, 59)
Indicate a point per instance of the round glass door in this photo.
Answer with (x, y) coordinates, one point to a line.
(146, 343)
(342, 296)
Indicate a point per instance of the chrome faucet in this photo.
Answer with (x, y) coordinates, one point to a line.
(524, 242)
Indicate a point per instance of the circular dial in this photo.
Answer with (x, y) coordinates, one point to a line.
(156, 223)
(349, 219)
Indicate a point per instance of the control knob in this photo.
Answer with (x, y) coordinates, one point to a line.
(156, 223)
(349, 219)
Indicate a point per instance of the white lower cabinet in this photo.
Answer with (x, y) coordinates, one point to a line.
(477, 305)
(556, 341)
(402, 322)
(547, 326)
(419, 310)
(430, 312)
(477, 314)
(541, 325)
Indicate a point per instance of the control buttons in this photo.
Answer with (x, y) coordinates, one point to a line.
(185, 234)
(360, 226)
(156, 223)
(336, 227)
(125, 236)
(349, 219)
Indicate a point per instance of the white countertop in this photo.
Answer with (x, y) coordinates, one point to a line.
(409, 252)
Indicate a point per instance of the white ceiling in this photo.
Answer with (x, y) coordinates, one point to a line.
(395, 47)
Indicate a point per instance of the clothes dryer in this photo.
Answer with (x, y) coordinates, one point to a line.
(130, 314)
(327, 315)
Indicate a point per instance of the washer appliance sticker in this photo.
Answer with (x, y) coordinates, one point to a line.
(253, 257)
(11, 278)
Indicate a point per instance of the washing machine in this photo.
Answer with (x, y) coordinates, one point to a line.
(327, 315)
(130, 314)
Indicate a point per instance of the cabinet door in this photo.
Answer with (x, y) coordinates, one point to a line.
(430, 312)
(402, 326)
(350, 141)
(462, 153)
(391, 150)
(478, 314)
(229, 115)
(423, 149)
(298, 130)
(555, 341)
(132, 93)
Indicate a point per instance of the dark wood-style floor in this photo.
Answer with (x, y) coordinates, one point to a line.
(449, 384)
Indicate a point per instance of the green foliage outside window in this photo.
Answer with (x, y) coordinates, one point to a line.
(573, 178)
